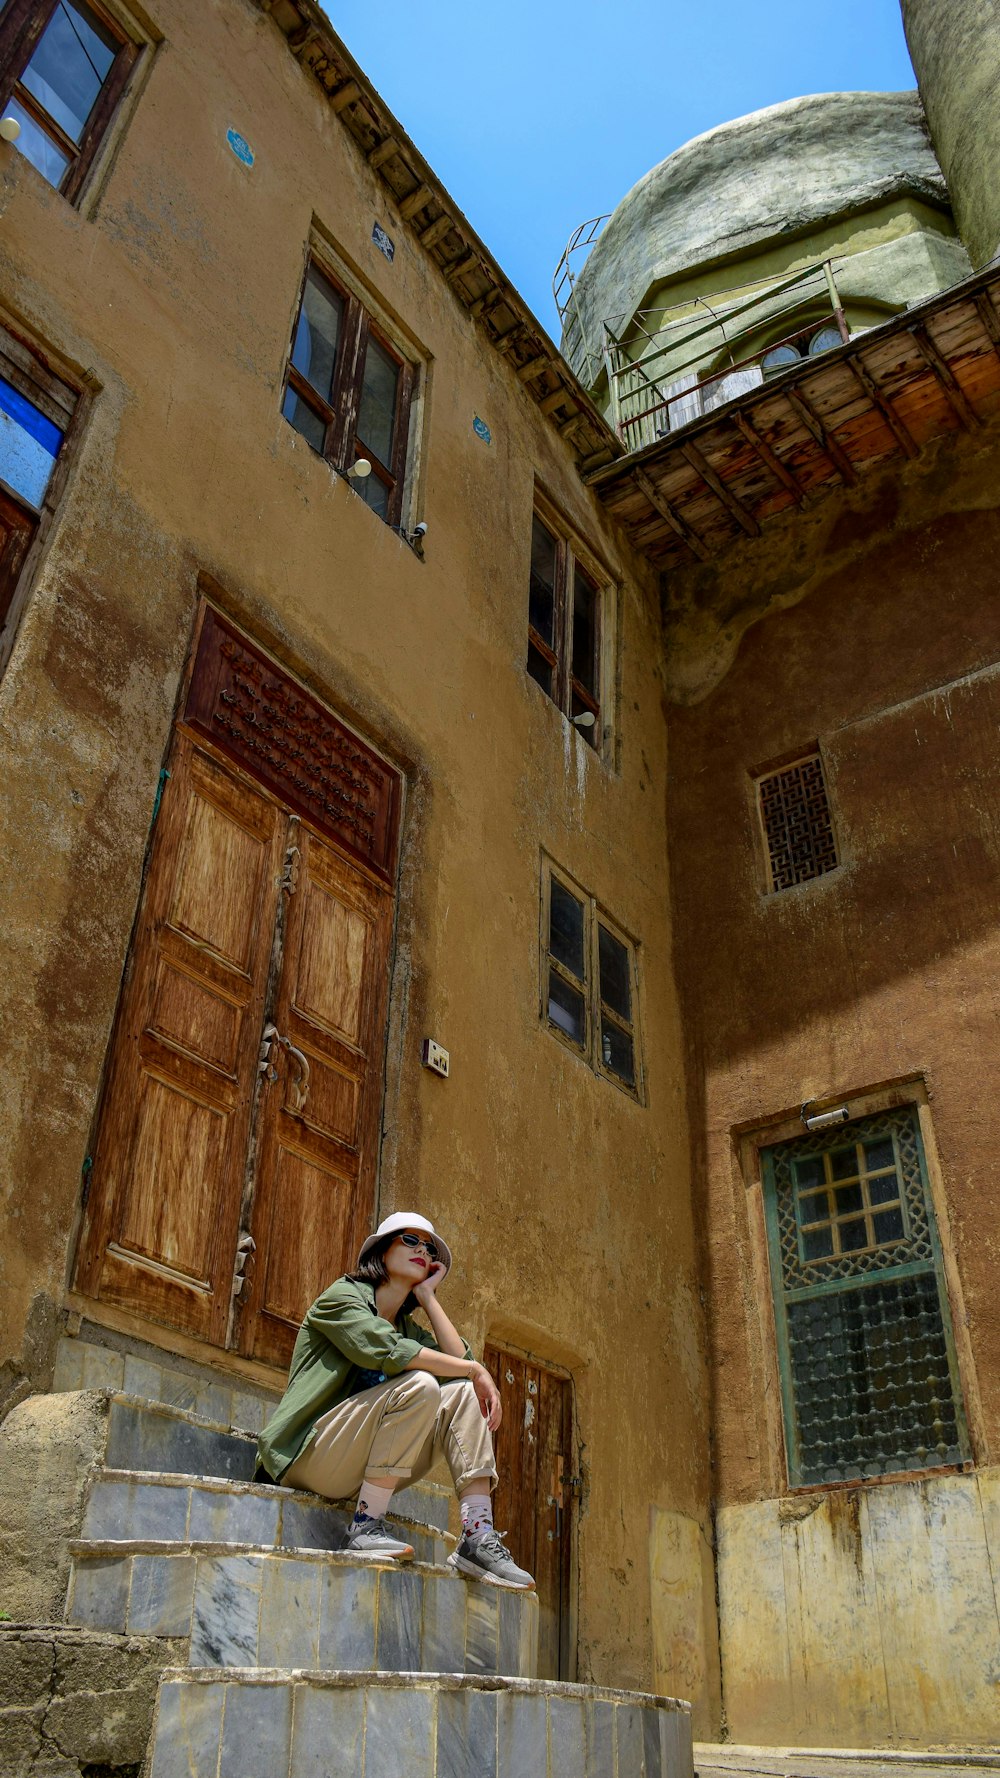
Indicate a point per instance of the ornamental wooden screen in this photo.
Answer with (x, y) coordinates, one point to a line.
(235, 1160)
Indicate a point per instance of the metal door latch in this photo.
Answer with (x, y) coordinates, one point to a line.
(289, 880)
(298, 1089)
(245, 1246)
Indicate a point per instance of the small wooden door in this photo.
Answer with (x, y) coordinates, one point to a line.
(234, 1165)
(535, 1496)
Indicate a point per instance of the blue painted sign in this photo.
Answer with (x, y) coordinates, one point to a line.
(240, 147)
(383, 242)
(481, 430)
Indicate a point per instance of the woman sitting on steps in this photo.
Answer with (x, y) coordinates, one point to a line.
(372, 1400)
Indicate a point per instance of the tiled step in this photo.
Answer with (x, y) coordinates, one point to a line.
(729, 1760)
(123, 1505)
(83, 1363)
(272, 1608)
(152, 1438)
(381, 1725)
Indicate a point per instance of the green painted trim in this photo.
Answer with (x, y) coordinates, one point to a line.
(780, 1318)
(943, 1299)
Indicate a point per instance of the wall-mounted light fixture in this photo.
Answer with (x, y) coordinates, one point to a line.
(359, 470)
(10, 129)
(586, 719)
(415, 538)
(823, 1120)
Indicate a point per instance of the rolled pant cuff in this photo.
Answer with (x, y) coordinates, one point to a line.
(379, 1471)
(462, 1480)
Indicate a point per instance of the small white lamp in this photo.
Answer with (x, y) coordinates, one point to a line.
(10, 129)
(359, 470)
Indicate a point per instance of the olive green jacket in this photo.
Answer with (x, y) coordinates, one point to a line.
(342, 1334)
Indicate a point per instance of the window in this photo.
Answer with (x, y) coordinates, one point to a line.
(779, 358)
(589, 982)
(347, 390)
(35, 413)
(797, 822)
(564, 630)
(869, 1379)
(63, 69)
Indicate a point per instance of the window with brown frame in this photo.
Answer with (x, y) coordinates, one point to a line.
(36, 412)
(564, 630)
(348, 391)
(63, 68)
(590, 983)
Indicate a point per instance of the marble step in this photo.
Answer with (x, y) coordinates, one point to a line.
(274, 1608)
(155, 1438)
(84, 1362)
(217, 1724)
(125, 1504)
(730, 1760)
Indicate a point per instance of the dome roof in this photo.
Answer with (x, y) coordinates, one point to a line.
(777, 172)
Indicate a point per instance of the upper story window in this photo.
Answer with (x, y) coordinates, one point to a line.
(869, 1375)
(36, 410)
(63, 68)
(590, 981)
(797, 823)
(564, 629)
(779, 358)
(348, 391)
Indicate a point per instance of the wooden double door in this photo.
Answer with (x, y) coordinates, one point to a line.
(234, 1166)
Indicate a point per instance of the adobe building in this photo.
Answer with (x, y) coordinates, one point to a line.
(547, 789)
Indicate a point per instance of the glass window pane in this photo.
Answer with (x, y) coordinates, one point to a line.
(848, 1197)
(809, 1171)
(826, 340)
(70, 66)
(814, 1208)
(879, 1154)
(375, 494)
(818, 1243)
(884, 1190)
(778, 359)
(36, 146)
(541, 595)
(566, 929)
(585, 631)
(29, 445)
(615, 985)
(844, 1163)
(888, 1225)
(314, 352)
(301, 415)
(853, 1235)
(539, 669)
(616, 1048)
(566, 1008)
(377, 413)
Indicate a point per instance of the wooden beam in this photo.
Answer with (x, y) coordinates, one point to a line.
(814, 426)
(534, 368)
(344, 95)
(989, 318)
(673, 519)
(301, 38)
(383, 152)
(504, 341)
(757, 443)
(550, 403)
(416, 201)
(946, 377)
(482, 302)
(700, 464)
(884, 406)
(435, 231)
(465, 262)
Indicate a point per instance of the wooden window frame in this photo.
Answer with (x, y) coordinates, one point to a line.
(339, 414)
(29, 372)
(567, 690)
(21, 28)
(596, 1009)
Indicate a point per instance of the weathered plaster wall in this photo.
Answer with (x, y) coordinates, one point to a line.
(776, 175)
(881, 642)
(955, 49)
(567, 1203)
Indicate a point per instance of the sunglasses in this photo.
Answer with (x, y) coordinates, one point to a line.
(418, 1241)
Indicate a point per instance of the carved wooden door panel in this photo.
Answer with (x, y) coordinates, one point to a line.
(319, 1118)
(169, 1161)
(536, 1493)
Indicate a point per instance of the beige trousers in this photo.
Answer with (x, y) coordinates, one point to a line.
(396, 1430)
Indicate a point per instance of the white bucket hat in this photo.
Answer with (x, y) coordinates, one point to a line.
(404, 1219)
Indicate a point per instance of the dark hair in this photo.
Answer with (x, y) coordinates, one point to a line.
(371, 1270)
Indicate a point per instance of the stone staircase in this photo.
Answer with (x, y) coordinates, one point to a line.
(296, 1660)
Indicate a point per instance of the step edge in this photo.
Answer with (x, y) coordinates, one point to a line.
(333, 1679)
(751, 1759)
(180, 1478)
(106, 1549)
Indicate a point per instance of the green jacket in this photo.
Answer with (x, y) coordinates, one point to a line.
(342, 1334)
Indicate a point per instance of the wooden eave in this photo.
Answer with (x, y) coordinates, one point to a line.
(823, 425)
(425, 208)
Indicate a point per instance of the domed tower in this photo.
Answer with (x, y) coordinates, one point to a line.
(769, 238)
(955, 47)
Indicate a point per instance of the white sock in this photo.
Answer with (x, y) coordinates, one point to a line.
(373, 1503)
(477, 1512)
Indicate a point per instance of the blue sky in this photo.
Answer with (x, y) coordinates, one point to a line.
(539, 115)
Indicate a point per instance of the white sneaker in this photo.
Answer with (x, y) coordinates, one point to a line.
(373, 1541)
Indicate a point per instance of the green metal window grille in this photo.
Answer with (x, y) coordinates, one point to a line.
(869, 1380)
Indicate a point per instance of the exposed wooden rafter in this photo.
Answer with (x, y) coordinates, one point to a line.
(760, 446)
(954, 394)
(674, 520)
(729, 500)
(799, 405)
(899, 432)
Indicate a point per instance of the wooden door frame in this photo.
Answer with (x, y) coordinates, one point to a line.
(127, 1322)
(528, 1355)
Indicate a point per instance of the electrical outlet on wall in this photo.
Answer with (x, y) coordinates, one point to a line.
(435, 1057)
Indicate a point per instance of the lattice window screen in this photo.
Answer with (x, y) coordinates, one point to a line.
(798, 826)
(868, 1374)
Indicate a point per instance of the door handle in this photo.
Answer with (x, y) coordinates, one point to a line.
(245, 1246)
(298, 1089)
